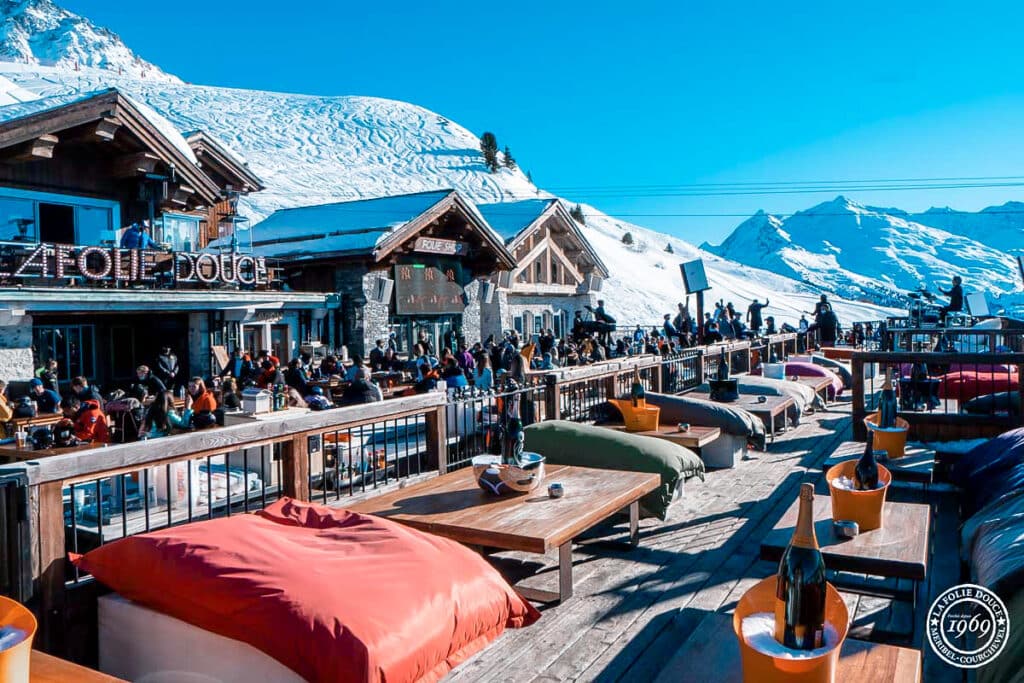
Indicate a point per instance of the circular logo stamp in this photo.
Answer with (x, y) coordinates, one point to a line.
(968, 626)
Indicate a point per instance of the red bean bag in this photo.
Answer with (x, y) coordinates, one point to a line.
(331, 594)
(964, 386)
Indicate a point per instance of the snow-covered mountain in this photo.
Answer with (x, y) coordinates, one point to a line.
(880, 254)
(313, 149)
(39, 32)
(1001, 226)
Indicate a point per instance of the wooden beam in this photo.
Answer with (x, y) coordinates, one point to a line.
(34, 150)
(106, 128)
(135, 165)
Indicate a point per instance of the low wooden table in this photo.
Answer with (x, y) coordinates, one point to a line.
(768, 411)
(44, 668)
(696, 437)
(820, 385)
(917, 465)
(712, 653)
(13, 453)
(899, 549)
(453, 506)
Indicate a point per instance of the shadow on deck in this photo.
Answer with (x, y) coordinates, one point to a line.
(633, 610)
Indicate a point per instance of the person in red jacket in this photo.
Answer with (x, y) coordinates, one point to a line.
(90, 422)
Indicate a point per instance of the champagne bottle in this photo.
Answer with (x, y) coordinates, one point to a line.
(865, 474)
(800, 591)
(637, 391)
(887, 403)
(512, 436)
(723, 367)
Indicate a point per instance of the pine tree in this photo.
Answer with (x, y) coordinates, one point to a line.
(509, 161)
(489, 147)
(577, 213)
(627, 239)
(669, 249)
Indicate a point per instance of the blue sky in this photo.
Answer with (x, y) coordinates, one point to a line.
(619, 95)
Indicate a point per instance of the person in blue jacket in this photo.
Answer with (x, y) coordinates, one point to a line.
(47, 400)
(135, 237)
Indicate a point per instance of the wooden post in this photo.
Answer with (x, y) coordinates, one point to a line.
(656, 376)
(295, 467)
(1020, 373)
(700, 318)
(50, 544)
(859, 411)
(437, 439)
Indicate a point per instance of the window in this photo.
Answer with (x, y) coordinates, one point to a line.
(527, 326)
(72, 346)
(17, 219)
(181, 232)
(48, 217)
(554, 273)
(538, 272)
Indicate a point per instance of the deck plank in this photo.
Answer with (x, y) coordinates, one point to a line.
(633, 610)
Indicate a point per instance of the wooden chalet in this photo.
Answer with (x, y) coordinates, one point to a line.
(557, 271)
(74, 172)
(403, 264)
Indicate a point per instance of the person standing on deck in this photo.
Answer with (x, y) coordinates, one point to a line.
(754, 315)
(167, 368)
(956, 299)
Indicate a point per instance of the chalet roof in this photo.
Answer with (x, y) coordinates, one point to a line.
(24, 121)
(365, 226)
(214, 155)
(510, 218)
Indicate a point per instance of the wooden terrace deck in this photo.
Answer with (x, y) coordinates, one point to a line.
(634, 610)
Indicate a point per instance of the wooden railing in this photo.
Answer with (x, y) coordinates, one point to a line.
(930, 402)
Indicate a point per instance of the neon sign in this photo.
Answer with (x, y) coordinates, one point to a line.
(138, 266)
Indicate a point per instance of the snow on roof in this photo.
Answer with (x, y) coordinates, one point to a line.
(22, 109)
(12, 93)
(19, 109)
(356, 226)
(510, 218)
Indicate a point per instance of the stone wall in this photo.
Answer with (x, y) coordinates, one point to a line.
(198, 345)
(472, 317)
(16, 363)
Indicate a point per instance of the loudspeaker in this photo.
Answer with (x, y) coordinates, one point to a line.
(505, 279)
(382, 288)
(486, 291)
(594, 283)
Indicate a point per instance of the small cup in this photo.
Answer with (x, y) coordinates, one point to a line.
(683, 427)
(555, 490)
(21, 438)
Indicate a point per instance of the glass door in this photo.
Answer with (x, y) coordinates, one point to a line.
(72, 346)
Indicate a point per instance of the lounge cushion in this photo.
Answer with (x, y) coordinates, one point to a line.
(697, 411)
(990, 404)
(572, 443)
(963, 386)
(801, 369)
(804, 396)
(841, 368)
(990, 471)
(331, 594)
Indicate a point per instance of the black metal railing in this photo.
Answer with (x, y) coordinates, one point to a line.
(475, 420)
(682, 371)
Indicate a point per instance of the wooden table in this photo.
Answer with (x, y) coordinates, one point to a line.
(13, 453)
(696, 437)
(917, 465)
(820, 385)
(453, 506)
(899, 549)
(768, 411)
(45, 420)
(712, 653)
(44, 668)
